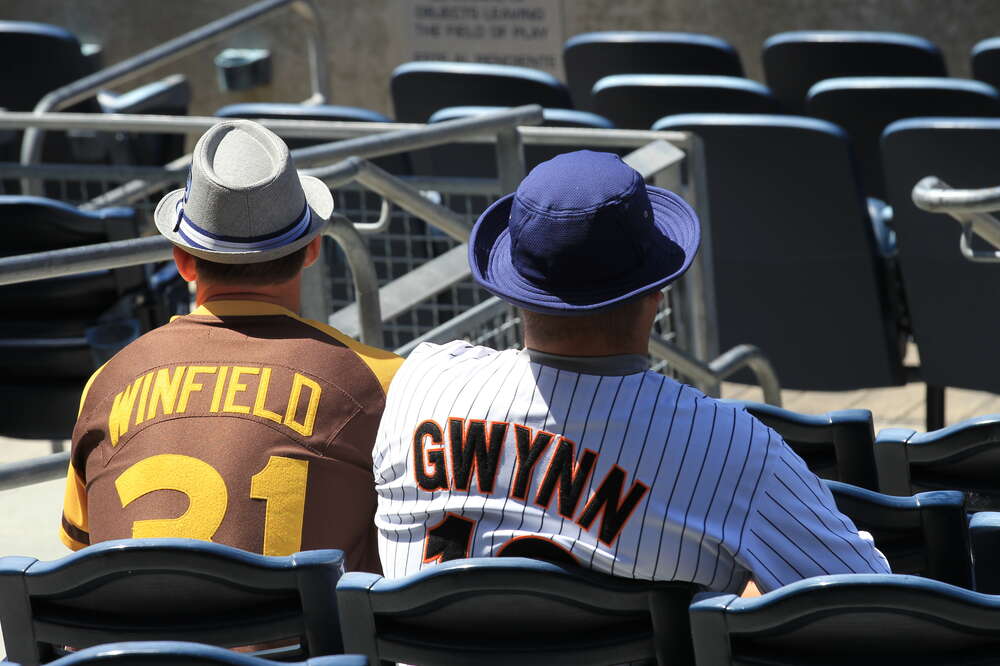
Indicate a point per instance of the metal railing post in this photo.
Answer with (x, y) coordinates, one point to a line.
(510, 159)
(409, 199)
(359, 260)
(699, 280)
(31, 147)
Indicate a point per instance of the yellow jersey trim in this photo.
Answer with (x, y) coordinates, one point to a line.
(382, 363)
(69, 541)
(86, 390)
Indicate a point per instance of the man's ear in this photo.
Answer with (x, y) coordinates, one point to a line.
(313, 250)
(185, 265)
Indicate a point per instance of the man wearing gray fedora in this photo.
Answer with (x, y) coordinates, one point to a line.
(572, 449)
(241, 423)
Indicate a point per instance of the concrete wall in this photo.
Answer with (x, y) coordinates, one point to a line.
(368, 38)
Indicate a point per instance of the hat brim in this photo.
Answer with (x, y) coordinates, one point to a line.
(318, 198)
(669, 257)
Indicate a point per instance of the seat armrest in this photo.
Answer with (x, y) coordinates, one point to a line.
(880, 216)
(984, 533)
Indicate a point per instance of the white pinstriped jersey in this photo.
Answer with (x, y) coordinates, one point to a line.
(598, 461)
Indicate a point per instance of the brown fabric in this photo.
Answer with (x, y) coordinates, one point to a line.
(229, 426)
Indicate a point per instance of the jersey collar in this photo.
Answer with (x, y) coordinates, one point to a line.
(240, 308)
(614, 366)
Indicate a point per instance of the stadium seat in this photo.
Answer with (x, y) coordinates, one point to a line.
(470, 160)
(984, 531)
(490, 611)
(838, 445)
(865, 106)
(591, 56)
(863, 619)
(180, 653)
(168, 589)
(952, 301)
(54, 333)
(794, 61)
(22, 87)
(926, 534)
(797, 267)
(636, 101)
(964, 456)
(986, 61)
(167, 97)
(421, 88)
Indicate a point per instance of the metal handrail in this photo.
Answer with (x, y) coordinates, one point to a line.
(711, 374)
(935, 196)
(323, 129)
(971, 208)
(33, 470)
(707, 374)
(31, 148)
(368, 146)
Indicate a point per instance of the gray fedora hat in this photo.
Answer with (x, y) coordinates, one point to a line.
(244, 202)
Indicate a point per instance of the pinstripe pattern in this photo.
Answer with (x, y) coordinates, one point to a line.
(716, 496)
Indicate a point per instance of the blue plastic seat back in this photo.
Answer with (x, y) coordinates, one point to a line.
(794, 61)
(471, 160)
(926, 534)
(168, 589)
(793, 252)
(951, 299)
(181, 653)
(23, 83)
(591, 56)
(838, 445)
(986, 61)
(46, 357)
(964, 456)
(421, 88)
(513, 610)
(23, 43)
(636, 101)
(863, 619)
(865, 106)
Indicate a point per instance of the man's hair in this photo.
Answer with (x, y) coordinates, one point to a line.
(608, 326)
(260, 274)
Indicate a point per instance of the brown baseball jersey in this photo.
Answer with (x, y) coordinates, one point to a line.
(241, 423)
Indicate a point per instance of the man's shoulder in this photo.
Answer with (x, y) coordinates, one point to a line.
(428, 358)
(382, 363)
(451, 353)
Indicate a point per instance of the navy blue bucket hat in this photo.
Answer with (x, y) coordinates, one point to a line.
(583, 232)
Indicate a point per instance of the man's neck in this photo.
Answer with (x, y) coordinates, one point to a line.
(585, 346)
(286, 295)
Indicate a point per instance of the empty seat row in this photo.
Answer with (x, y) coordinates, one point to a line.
(842, 446)
(479, 610)
(812, 274)
(793, 61)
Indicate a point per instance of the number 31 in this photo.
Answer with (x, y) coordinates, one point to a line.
(281, 484)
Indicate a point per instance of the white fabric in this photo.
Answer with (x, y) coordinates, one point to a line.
(724, 496)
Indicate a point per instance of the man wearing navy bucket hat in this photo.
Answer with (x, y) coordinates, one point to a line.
(572, 449)
(240, 423)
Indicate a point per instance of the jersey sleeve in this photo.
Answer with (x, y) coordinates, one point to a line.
(73, 530)
(794, 529)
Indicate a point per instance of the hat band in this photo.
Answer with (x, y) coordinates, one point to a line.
(206, 240)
